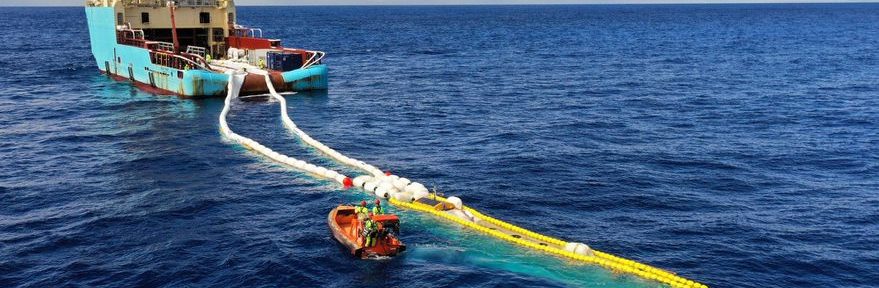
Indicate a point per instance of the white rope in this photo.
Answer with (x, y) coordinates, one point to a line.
(234, 87)
(379, 184)
(382, 185)
(311, 141)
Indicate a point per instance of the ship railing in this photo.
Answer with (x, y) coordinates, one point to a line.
(242, 31)
(178, 3)
(133, 42)
(197, 54)
(176, 61)
(197, 3)
(253, 32)
(135, 33)
(160, 46)
(196, 50)
(249, 32)
(131, 37)
(315, 58)
(192, 64)
(145, 3)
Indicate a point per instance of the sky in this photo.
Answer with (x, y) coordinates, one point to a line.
(436, 2)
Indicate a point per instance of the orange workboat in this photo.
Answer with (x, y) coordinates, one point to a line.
(348, 230)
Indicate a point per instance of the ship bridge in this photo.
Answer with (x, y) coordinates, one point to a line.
(199, 23)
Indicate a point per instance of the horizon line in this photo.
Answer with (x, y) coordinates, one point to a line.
(511, 4)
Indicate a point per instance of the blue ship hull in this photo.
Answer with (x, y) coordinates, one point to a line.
(134, 64)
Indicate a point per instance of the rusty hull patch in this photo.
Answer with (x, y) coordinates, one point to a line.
(255, 84)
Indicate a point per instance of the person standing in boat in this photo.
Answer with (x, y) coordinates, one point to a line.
(370, 230)
(378, 210)
(361, 211)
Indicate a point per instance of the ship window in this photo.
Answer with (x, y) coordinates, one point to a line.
(219, 34)
(231, 18)
(119, 19)
(204, 17)
(144, 17)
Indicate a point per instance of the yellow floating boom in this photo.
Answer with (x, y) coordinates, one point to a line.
(600, 258)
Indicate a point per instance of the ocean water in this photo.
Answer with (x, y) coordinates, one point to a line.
(736, 145)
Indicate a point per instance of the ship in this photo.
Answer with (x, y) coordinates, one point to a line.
(347, 228)
(185, 48)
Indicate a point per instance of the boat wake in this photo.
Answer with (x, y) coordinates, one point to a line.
(378, 258)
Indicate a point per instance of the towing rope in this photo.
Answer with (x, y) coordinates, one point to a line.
(603, 259)
(234, 87)
(314, 143)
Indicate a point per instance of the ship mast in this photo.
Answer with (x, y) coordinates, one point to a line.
(172, 7)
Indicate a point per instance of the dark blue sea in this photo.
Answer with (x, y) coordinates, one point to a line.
(736, 145)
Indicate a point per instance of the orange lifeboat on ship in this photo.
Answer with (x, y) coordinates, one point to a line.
(348, 230)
